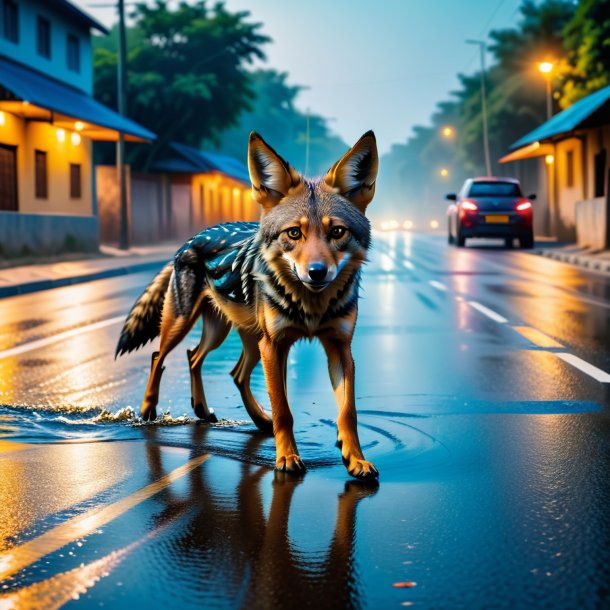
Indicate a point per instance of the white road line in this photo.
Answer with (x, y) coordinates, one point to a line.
(32, 345)
(490, 313)
(409, 265)
(584, 366)
(438, 285)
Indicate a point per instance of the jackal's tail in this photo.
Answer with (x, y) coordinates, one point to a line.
(144, 320)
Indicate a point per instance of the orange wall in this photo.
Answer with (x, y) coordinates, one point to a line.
(29, 136)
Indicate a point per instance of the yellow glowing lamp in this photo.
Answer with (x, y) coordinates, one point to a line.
(407, 224)
(434, 224)
(546, 67)
(75, 137)
(448, 131)
(444, 172)
(2, 119)
(549, 159)
(79, 126)
(61, 135)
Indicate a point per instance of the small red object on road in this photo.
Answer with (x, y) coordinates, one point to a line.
(404, 585)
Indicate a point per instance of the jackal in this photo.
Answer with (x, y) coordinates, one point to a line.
(293, 275)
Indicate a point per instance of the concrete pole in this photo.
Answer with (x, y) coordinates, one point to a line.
(124, 234)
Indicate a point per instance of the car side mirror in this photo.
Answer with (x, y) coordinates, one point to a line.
(451, 196)
(533, 196)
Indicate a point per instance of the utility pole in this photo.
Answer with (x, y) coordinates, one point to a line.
(307, 145)
(124, 235)
(482, 48)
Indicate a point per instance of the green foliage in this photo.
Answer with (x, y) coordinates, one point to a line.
(187, 70)
(587, 42)
(274, 116)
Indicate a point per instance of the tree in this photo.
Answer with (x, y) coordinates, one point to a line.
(516, 105)
(187, 76)
(587, 42)
(273, 114)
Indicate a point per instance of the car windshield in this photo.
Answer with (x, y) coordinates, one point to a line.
(494, 189)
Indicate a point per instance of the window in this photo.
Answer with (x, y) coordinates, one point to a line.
(73, 53)
(494, 189)
(10, 14)
(75, 181)
(599, 176)
(570, 168)
(40, 162)
(8, 178)
(43, 43)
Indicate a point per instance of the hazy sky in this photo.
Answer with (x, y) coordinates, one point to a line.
(370, 65)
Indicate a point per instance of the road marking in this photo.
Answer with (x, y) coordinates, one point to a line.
(490, 313)
(537, 337)
(28, 553)
(38, 343)
(438, 285)
(585, 367)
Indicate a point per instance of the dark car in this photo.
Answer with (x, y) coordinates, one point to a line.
(491, 207)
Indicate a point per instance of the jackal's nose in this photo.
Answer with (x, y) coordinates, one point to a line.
(317, 271)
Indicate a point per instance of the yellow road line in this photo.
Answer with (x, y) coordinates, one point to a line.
(536, 337)
(28, 553)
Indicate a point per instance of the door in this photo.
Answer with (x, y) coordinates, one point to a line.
(8, 178)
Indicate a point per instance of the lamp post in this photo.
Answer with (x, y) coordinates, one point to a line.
(546, 69)
(124, 233)
(482, 48)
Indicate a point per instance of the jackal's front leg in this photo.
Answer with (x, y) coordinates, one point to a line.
(342, 373)
(274, 357)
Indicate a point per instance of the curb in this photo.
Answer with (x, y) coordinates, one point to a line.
(592, 263)
(29, 287)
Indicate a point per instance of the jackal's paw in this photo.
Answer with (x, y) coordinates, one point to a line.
(290, 463)
(200, 412)
(361, 469)
(148, 413)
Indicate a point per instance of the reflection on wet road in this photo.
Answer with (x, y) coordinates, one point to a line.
(482, 400)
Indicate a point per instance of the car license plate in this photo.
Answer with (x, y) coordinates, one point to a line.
(496, 219)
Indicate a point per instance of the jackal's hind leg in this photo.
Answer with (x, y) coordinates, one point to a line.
(241, 374)
(214, 332)
(173, 329)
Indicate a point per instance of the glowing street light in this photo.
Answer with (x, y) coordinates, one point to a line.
(434, 224)
(546, 69)
(448, 132)
(444, 172)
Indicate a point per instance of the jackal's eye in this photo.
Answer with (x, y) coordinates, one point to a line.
(294, 233)
(337, 232)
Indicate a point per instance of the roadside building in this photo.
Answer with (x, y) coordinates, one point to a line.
(571, 154)
(185, 190)
(48, 121)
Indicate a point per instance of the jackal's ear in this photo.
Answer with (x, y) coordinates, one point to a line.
(271, 176)
(355, 173)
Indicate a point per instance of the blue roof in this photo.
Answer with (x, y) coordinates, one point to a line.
(48, 93)
(191, 160)
(567, 120)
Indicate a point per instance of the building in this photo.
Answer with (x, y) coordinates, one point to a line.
(185, 190)
(48, 121)
(571, 151)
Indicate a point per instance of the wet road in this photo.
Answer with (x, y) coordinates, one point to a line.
(483, 394)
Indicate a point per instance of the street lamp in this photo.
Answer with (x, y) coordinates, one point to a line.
(546, 69)
(444, 172)
(448, 132)
(482, 48)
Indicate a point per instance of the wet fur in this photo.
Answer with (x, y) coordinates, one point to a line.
(253, 277)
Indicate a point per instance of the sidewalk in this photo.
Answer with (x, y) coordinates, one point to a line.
(593, 260)
(110, 263)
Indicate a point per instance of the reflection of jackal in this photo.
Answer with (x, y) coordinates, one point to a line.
(294, 275)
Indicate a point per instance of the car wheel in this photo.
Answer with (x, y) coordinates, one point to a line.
(460, 240)
(527, 241)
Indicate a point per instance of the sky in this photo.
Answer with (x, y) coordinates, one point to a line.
(380, 65)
